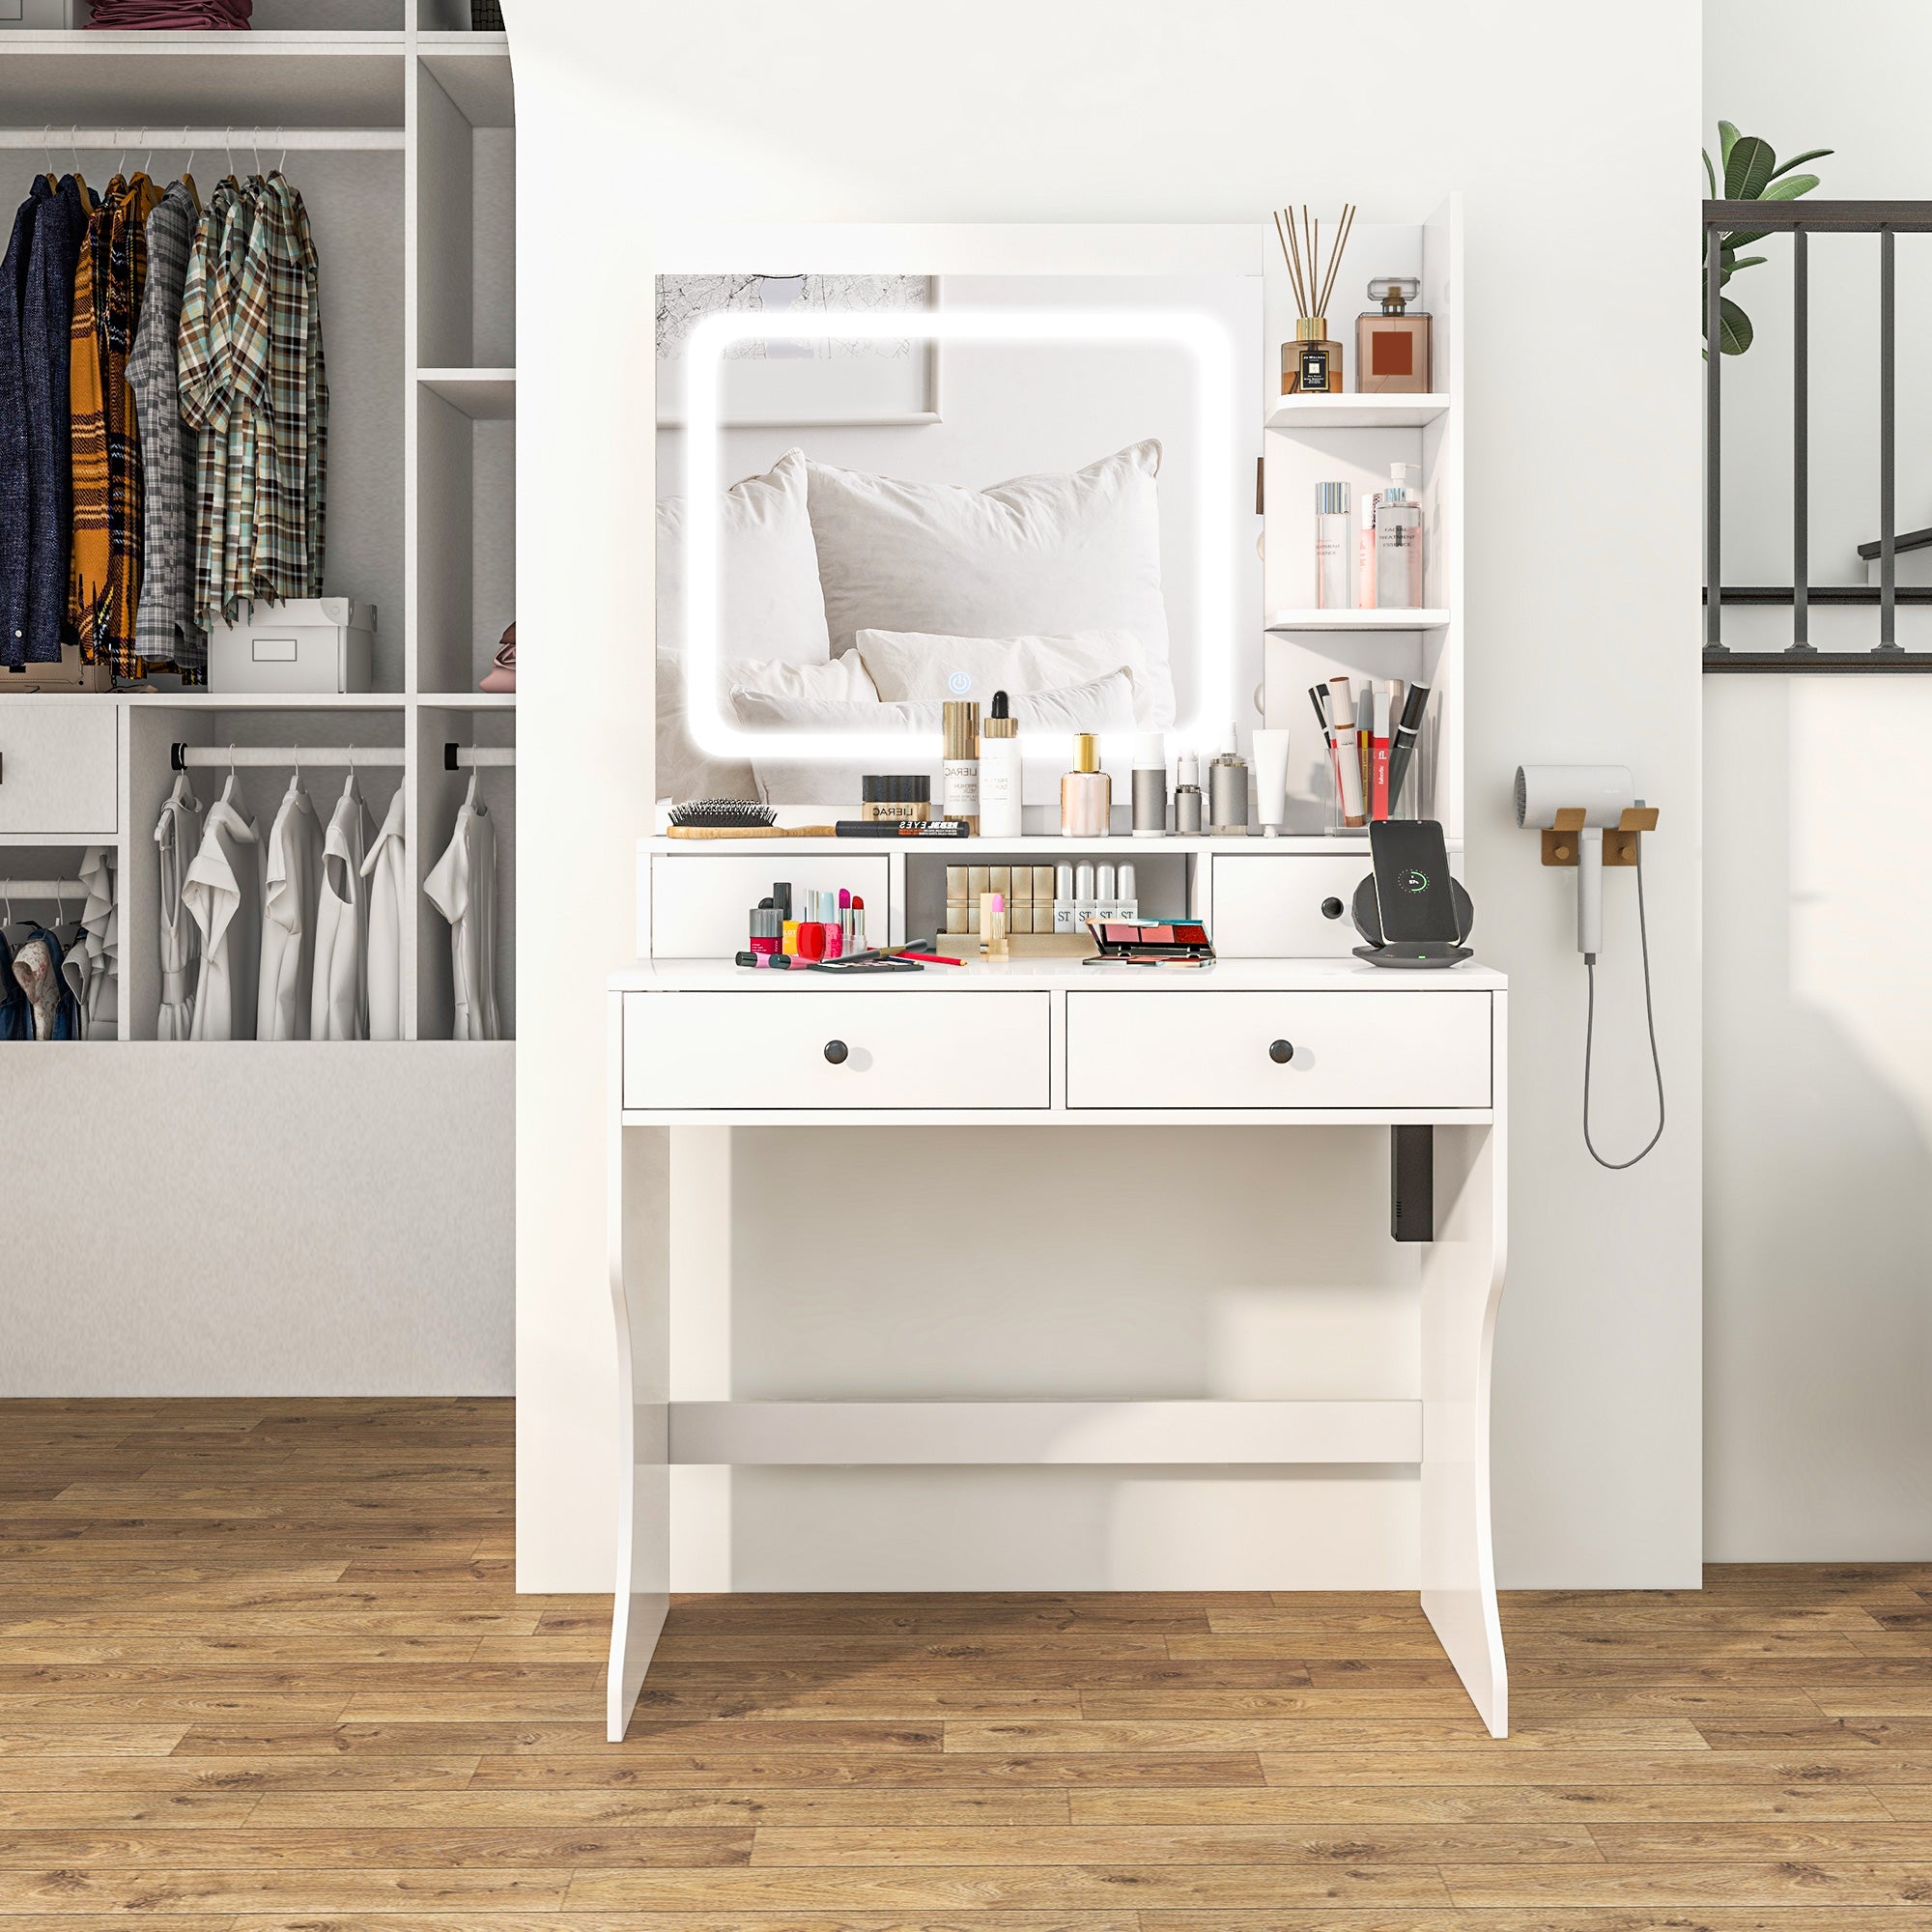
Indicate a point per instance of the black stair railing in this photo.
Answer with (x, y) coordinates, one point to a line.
(1886, 219)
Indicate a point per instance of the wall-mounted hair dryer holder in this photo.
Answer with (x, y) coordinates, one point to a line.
(1560, 846)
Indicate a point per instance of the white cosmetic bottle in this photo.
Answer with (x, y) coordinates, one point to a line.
(1399, 542)
(1001, 784)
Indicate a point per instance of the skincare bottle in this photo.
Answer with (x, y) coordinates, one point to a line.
(1086, 792)
(1333, 547)
(1064, 919)
(1392, 344)
(1151, 786)
(1228, 791)
(1126, 899)
(1002, 787)
(959, 795)
(1398, 543)
(1188, 793)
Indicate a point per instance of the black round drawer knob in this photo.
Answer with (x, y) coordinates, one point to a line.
(1333, 908)
(836, 1051)
(1281, 1051)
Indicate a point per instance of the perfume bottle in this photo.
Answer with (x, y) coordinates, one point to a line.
(1086, 792)
(1334, 544)
(1311, 365)
(1392, 344)
(1398, 543)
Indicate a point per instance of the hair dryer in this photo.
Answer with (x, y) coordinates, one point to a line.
(1603, 793)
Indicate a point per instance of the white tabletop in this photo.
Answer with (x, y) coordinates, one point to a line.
(1022, 975)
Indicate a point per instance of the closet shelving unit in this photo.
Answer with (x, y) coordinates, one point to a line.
(1353, 439)
(399, 124)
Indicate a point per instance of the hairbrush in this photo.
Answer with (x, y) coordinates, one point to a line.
(735, 819)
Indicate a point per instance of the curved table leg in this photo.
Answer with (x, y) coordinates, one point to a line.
(1461, 1286)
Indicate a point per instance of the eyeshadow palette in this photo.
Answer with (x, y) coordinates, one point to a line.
(1167, 942)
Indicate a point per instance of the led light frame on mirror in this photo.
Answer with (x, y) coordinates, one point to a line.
(1218, 393)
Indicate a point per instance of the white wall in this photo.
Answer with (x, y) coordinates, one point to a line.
(1581, 592)
(1818, 1057)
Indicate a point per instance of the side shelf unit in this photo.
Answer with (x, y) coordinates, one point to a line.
(1353, 439)
(398, 126)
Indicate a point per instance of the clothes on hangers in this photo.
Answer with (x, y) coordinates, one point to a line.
(463, 889)
(15, 489)
(100, 940)
(177, 836)
(288, 917)
(107, 447)
(223, 896)
(17, 1022)
(47, 331)
(37, 967)
(165, 632)
(254, 382)
(385, 868)
(341, 1007)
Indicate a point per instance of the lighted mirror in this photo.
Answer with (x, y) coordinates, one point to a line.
(947, 462)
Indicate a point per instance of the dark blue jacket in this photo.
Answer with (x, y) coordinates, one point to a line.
(15, 488)
(59, 226)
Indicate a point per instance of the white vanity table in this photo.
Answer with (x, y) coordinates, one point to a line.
(1349, 1362)
(1296, 1044)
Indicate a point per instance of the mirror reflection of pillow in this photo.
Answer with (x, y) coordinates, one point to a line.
(770, 610)
(1045, 555)
(684, 771)
(1104, 704)
(919, 663)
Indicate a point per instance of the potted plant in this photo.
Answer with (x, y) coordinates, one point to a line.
(1751, 173)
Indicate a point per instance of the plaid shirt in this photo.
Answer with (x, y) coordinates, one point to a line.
(164, 628)
(254, 379)
(105, 587)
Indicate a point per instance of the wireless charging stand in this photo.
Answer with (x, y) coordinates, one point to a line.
(1411, 956)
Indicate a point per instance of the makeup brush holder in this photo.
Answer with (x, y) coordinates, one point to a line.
(1620, 843)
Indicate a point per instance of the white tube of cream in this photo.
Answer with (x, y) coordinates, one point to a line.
(1271, 752)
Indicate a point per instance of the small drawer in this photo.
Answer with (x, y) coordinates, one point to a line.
(1209, 1049)
(835, 1047)
(698, 903)
(1273, 906)
(60, 767)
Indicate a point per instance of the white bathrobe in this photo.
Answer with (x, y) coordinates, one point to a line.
(385, 868)
(340, 1009)
(223, 896)
(463, 889)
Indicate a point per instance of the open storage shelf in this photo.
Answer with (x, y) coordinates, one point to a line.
(399, 130)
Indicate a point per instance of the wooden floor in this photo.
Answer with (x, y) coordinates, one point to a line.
(262, 1666)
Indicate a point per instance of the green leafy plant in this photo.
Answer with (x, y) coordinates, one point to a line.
(1751, 173)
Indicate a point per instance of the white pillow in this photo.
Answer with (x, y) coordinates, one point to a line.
(771, 609)
(1037, 556)
(1102, 704)
(918, 664)
(685, 772)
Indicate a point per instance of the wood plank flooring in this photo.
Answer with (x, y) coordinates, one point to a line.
(262, 1669)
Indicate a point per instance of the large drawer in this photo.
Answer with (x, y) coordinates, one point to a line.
(768, 1049)
(59, 766)
(1212, 1049)
(699, 902)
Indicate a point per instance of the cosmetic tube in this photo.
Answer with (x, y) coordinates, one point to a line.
(1151, 786)
(1365, 549)
(1403, 752)
(1270, 750)
(1379, 749)
(1347, 752)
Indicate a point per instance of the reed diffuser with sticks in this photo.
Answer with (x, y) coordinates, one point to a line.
(1311, 365)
